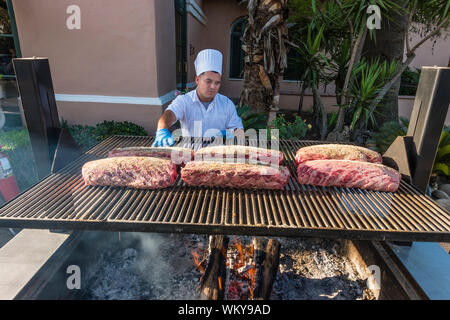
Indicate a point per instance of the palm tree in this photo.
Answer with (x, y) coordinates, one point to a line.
(265, 44)
(389, 45)
(434, 14)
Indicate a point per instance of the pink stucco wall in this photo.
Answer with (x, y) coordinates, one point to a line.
(121, 50)
(110, 55)
(432, 53)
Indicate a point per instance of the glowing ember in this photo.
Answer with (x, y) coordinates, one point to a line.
(198, 264)
(241, 270)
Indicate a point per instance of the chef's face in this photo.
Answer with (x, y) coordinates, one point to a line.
(208, 84)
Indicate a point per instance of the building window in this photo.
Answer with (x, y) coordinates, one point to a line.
(9, 41)
(236, 52)
(293, 70)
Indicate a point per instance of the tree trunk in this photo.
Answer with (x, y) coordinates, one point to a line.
(321, 107)
(212, 283)
(389, 45)
(354, 60)
(265, 46)
(267, 262)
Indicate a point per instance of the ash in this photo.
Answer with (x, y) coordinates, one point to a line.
(161, 266)
(313, 269)
(147, 267)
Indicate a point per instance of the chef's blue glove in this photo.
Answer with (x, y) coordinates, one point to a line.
(163, 138)
(227, 134)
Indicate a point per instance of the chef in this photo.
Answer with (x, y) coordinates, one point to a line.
(202, 112)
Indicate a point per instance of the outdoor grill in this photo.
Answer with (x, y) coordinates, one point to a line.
(62, 200)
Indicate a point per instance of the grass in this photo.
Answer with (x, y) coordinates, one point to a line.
(16, 145)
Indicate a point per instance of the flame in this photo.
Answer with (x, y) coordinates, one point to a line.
(252, 274)
(243, 283)
(240, 249)
(198, 265)
(243, 254)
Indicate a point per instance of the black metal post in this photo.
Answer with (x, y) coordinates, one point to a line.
(427, 121)
(41, 116)
(413, 155)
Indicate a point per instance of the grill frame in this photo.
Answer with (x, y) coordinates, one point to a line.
(61, 200)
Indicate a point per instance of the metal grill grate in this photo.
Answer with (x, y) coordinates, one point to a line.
(62, 200)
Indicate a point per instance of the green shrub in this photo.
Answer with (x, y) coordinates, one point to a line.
(389, 131)
(290, 130)
(332, 119)
(110, 128)
(442, 161)
(89, 136)
(18, 149)
(409, 82)
(14, 139)
(84, 135)
(183, 91)
(251, 120)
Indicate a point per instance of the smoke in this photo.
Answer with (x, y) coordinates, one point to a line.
(150, 262)
(165, 263)
(150, 266)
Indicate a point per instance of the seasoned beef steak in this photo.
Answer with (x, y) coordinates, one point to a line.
(350, 174)
(338, 152)
(176, 154)
(245, 153)
(237, 175)
(133, 172)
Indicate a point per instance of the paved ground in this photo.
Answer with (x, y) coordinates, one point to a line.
(5, 236)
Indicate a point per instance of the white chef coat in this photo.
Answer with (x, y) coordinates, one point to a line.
(197, 121)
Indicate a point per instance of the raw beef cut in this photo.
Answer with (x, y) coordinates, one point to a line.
(243, 153)
(237, 175)
(350, 174)
(176, 154)
(338, 152)
(133, 172)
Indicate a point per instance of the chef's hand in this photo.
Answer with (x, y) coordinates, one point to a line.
(227, 134)
(163, 138)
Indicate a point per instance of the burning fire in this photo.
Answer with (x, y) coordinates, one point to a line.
(242, 271)
(240, 267)
(198, 264)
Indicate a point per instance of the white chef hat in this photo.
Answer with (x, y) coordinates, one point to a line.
(208, 60)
